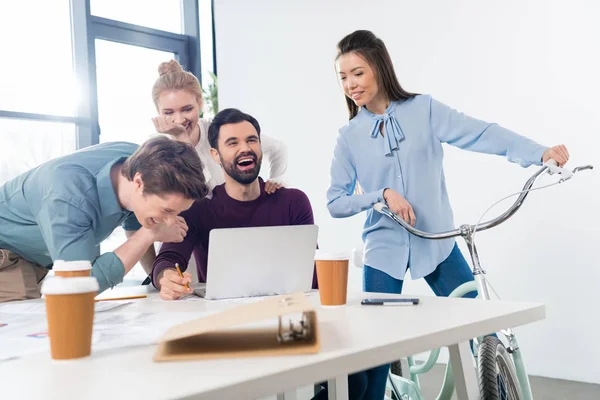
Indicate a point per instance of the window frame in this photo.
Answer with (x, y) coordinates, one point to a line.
(85, 29)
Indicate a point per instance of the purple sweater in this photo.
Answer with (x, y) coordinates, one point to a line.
(284, 207)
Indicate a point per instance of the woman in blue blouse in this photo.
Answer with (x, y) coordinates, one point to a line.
(392, 145)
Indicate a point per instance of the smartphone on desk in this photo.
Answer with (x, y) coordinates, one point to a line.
(390, 302)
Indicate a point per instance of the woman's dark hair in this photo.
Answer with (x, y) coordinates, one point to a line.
(373, 51)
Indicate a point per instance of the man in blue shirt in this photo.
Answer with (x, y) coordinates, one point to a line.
(64, 208)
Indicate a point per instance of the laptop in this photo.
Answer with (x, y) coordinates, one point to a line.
(259, 261)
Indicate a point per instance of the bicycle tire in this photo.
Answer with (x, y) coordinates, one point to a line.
(497, 376)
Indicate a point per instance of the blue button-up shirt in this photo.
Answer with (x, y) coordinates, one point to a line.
(64, 208)
(408, 159)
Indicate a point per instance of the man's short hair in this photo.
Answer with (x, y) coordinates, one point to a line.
(228, 116)
(167, 167)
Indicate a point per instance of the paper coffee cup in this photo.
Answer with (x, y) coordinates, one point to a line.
(70, 269)
(332, 276)
(70, 314)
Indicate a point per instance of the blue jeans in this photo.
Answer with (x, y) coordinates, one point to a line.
(450, 274)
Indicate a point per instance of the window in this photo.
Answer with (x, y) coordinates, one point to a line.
(36, 72)
(80, 72)
(126, 67)
(27, 144)
(36, 81)
(164, 14)
(125, 75)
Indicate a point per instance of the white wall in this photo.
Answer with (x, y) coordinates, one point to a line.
(532, 66)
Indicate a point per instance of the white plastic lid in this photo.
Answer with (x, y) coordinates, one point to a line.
(332, 255)
(61, 265)
(59, 285)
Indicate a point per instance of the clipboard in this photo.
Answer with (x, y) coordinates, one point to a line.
(281, 325)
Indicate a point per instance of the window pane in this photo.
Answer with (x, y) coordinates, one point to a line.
(206, 50)
(164, 14)
(36, 72)
(111, 243)
(125, 77)
(27, 144)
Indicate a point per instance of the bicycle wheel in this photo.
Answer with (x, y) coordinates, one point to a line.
(497, 376)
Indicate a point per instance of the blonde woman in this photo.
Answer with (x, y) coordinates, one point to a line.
(177, 96)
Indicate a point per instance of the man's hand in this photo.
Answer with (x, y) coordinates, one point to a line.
(172, 286)
(399, 205)
(173, 231)
(559, 153)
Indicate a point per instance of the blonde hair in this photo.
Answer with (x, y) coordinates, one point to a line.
(173, 77)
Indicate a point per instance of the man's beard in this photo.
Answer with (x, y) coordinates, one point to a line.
(245, 177)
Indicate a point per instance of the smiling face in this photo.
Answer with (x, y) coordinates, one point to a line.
(152, 209)
(180, 105)
(239, 151)
(358, 80)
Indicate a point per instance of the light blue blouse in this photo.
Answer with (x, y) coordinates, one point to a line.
(408, 159)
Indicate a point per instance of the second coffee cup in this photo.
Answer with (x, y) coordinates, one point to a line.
(71, 269)
(332, 276)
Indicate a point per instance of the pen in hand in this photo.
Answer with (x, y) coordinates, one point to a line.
(181, 275)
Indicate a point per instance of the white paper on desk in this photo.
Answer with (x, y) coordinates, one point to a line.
(27, 307)
(189, 297)
(235, 300)
(109, 305)
(22, 334)
(118, 330)
(12, 324)
(242, 300)
(16, 348)
(23, 307)
(247, 300)
(25, 334)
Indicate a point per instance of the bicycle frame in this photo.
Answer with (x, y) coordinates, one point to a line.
(467, 232)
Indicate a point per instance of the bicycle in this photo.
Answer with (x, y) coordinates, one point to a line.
(501, 370)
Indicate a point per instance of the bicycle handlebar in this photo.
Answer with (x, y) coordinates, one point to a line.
(551, 167)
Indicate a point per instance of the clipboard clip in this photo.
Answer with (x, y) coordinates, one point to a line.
(295, 331)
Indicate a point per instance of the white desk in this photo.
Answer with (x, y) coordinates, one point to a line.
(353, 338)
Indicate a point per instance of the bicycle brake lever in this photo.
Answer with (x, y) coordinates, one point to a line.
(553, 168)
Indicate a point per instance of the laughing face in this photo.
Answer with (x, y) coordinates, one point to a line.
(239, 152)
(181, 106)
(152, 209)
